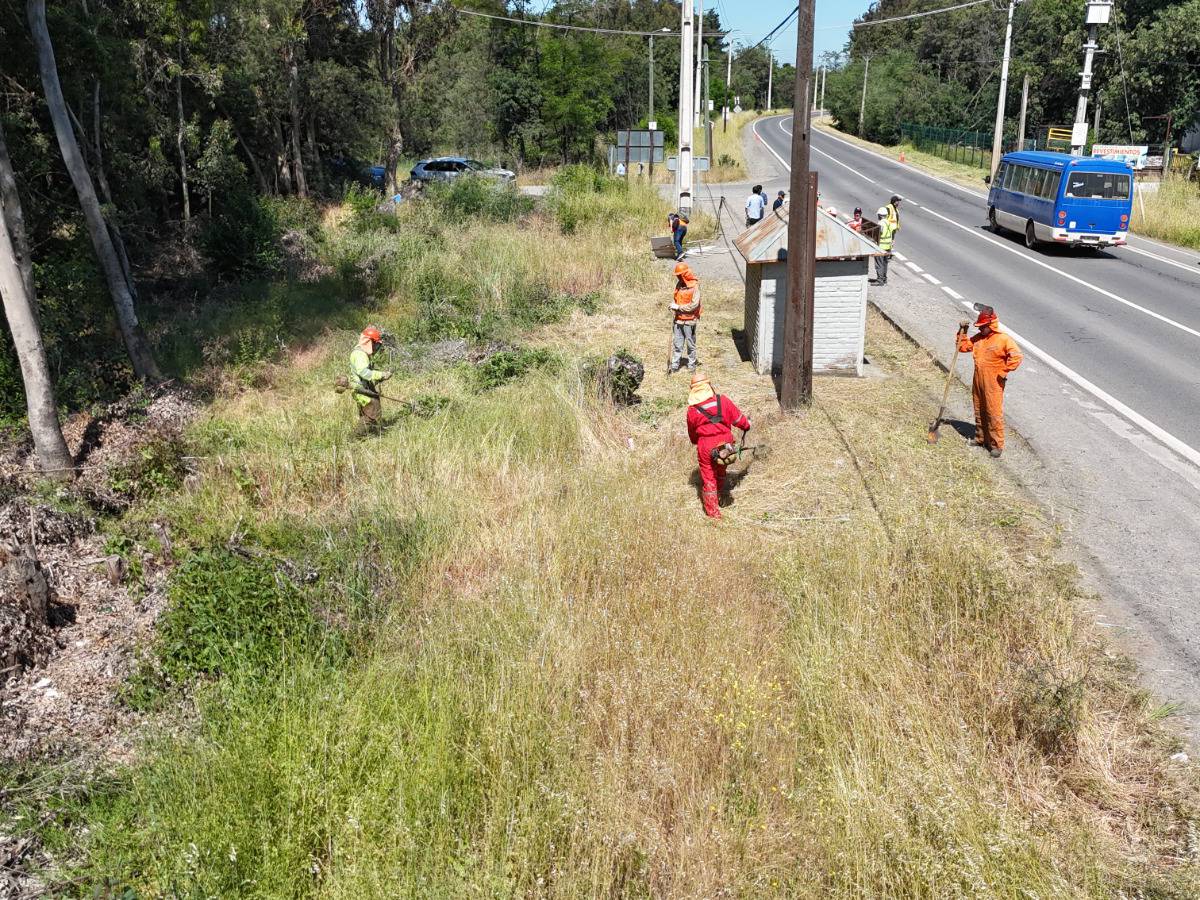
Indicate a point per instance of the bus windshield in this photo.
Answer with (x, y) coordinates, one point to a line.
(1098, 185)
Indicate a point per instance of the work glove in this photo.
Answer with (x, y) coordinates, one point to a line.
(384, 376)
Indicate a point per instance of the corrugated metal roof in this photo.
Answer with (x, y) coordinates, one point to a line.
(761, 243)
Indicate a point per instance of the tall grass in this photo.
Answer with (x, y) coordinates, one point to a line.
(729, 155)
(1171, 212)
(575, 687)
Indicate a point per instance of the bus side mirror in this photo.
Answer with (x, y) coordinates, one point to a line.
(987, 179)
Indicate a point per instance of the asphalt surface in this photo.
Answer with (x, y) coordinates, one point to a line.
(1106, 407)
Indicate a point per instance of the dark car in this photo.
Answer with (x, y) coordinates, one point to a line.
(447, 168)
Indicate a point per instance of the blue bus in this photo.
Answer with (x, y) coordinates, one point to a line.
(1062, 199)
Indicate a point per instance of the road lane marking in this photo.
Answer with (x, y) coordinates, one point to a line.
(952, 292)
(913, 266)
(900, 256)
(1195, 270)
(930, 278)
(1099, 290)
(1160, 434)
(759, 137)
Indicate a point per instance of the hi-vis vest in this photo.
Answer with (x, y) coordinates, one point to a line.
(684, 296)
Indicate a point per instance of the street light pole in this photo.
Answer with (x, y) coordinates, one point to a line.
(1098, 13)
(683, 169)
(651, 119)
(728, 74)
(699, 56)
(998, 133)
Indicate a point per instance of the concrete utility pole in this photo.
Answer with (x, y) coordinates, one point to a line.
(1098, 13)
(1024, 106)
(704, 98)
(699, 56)
(998, 133)
(1096, 122)
(683, 171)
(795, 388)
(728, 74)
(770, 76)
(651, 119)
(862, 106)
(822, 110)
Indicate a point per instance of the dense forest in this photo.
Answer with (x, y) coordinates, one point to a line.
(944, 70)
(201, 128)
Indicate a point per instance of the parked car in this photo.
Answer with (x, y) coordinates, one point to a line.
(447, 168)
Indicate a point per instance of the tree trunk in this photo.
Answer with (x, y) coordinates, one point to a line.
(314, 157)
(259, 178)
(282, 169)
(98, 146)
(131, 331)
(180, 134)
(20, 309)
(293, 82)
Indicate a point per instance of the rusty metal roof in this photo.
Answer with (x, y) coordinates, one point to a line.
(761, 243)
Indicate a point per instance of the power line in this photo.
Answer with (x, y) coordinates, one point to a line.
(537, 23)
(777, 28)
(920, 15)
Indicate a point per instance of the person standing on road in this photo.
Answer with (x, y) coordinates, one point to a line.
(893, 213)
(711, 418)
(886, 230)
(756, 206)
(365, 381)
(685, 304)
(679, 224)
(779, 200)
(996, 357)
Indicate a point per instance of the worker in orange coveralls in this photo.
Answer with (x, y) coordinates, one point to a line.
(996, 357)
(711, 418)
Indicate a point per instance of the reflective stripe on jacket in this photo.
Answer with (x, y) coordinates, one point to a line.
(886, 233)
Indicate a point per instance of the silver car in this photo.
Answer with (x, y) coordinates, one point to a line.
(447, 168)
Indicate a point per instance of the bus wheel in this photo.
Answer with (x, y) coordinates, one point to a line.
(1031, 240)
(992, 223)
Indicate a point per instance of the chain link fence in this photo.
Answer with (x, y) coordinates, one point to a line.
(971, 148)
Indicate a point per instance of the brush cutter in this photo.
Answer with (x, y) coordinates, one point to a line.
(341, 384)
(932, 436)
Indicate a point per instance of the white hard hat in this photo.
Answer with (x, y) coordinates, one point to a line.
(831, 211)
(881, 212)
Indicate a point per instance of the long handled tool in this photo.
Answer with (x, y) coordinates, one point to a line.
(932, 437)
(342, 384)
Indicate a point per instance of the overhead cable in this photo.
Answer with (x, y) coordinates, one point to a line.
(920, 15)
(538, 23)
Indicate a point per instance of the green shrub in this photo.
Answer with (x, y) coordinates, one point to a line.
(157, 466)
(228, 612)
(479, 198)
(295, 214)
(363, 203)
(583, 179)
(243, 237)
(509, 365)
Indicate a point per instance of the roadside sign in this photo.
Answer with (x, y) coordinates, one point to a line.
(643, 145)
(699, 163)
(1079, 133)
(1134, 154)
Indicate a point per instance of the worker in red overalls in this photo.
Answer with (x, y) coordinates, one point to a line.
(711, 418)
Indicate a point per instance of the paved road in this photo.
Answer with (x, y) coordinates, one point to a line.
(1108, 402)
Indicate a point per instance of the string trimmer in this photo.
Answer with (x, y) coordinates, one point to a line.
(932, 436)
(342, 384)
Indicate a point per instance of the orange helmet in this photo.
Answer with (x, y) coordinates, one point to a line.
(373, 333)
(987, 316)
(682, 269)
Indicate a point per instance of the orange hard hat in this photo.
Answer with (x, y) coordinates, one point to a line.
(986, 317)
(682, 269)
(373, 333)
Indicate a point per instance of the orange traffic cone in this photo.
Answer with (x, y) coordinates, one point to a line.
(901, 156)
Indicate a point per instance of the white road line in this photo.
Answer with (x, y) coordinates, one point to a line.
(1037, 262)
(952, 292)
(913, 266)
(843, 165)
(1160, 434)
(754, 128)
(899, 256)
(930, 278)
(1194, 269)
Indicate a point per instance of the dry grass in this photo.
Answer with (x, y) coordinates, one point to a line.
(1171, 212)
(729, 155)
(871, 678)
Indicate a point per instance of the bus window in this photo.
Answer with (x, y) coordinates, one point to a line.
(1021, 179)
(1098, 185)
(998, 181)
(1048, 186)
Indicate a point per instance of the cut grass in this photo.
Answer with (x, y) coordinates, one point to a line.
(1169, 212)
(870, 679)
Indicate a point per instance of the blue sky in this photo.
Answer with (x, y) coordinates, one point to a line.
(757, 17)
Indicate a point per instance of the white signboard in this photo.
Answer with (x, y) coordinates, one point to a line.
(1079, 133)
(1134, 154)
(699, 163)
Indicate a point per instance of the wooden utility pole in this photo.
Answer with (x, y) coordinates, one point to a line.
(1024, 106)
(862, 106)
(796, 382)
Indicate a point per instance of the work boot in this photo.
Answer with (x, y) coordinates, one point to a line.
(672, 370)
(995, 452)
